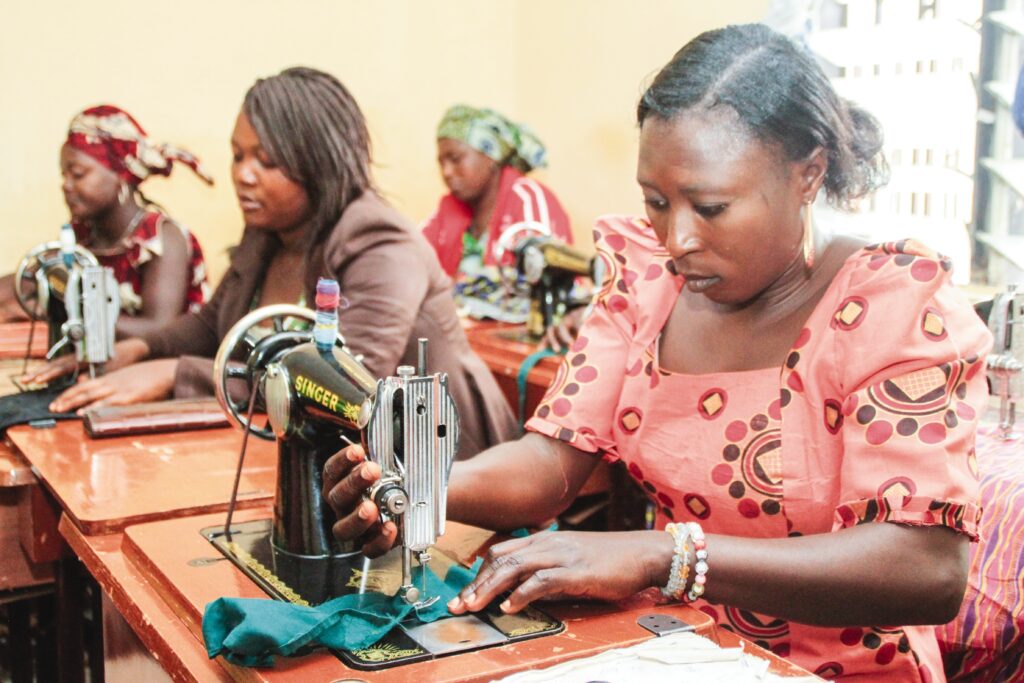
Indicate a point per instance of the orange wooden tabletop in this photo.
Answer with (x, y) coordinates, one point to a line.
(159, 629)
(14, 339)
(103, 485)
(14, 469)
(16, 569)
(503, 348)
(163, 554)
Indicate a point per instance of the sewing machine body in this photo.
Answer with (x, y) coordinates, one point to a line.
(313, 407)
(1006, 361)
(550, 268)
(40, 281)
(318, 400)
(92, 303)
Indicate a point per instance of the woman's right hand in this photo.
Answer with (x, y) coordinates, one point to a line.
(139, 383)
(348, 475)
(126, 352)
(561, 336)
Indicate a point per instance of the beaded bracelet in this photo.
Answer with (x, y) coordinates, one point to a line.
(680, 569)
(700, 568)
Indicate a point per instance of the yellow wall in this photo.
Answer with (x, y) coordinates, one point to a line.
(573, 69)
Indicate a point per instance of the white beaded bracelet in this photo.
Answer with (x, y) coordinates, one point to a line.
(700, 568)
(680, 568)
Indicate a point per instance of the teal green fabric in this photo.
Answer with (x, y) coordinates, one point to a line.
(471, 265)
(251, 632)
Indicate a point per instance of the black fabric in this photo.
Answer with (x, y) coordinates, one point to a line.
(18, 409)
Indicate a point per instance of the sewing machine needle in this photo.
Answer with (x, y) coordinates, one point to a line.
(366, 574)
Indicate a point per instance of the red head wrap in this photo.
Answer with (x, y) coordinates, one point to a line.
(115, 139)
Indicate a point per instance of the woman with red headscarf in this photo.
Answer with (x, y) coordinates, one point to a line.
(158, 263)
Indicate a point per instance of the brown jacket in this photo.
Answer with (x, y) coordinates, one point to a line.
(395, 291)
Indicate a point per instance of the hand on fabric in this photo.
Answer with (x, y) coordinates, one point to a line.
(44, 374)
(149, 381)
(251, 632)
(126, 352)
(566, 564)
(347, 477)
(562, 335)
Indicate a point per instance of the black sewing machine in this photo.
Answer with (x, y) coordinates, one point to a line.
(63, 284)
(550, 268)
(318, 398)
(535, 264)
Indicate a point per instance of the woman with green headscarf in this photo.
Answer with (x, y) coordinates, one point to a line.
(484, 159)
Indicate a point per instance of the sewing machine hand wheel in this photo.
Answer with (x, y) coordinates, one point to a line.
(31, 288)
(245, 335)
(505, 247)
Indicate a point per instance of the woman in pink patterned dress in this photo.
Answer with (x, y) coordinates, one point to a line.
(802, 405)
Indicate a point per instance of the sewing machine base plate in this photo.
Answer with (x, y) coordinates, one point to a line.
(316, 580)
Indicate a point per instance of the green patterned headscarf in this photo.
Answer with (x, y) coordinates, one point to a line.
(508, 143)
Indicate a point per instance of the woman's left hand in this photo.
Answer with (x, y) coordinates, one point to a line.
(568, 564)
(561, 336)
(148, 381)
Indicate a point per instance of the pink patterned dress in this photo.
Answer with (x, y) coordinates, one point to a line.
(871, 418)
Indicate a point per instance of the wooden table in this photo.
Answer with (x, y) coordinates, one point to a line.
(17, 570)
(503, 348)
(156, 633)
(14, 340)
(162, 594)
(104, 485)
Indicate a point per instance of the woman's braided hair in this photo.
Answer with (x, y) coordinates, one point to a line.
(310, 125)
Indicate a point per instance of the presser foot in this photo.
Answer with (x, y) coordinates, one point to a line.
(411, 596)
(423, 604)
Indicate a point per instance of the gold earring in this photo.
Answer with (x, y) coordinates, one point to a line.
(808, 239)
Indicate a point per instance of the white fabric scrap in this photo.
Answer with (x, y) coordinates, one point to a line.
(675, 657)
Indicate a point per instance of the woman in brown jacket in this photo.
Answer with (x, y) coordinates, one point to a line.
(301, 169)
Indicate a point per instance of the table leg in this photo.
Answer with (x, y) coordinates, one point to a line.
(19, 640)
(70, 653)
(46, 637)
(94, 630)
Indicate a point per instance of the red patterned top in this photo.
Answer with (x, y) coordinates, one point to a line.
(519, 199)
(872, 418)
(139, 248)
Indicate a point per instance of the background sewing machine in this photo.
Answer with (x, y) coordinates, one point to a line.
(1006, 361)
(537, 265)
(62, 283)
(319, 397)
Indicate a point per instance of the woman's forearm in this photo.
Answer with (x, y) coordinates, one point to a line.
(866, 575)
(520, 483)
(129, 327)
(190, 334)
